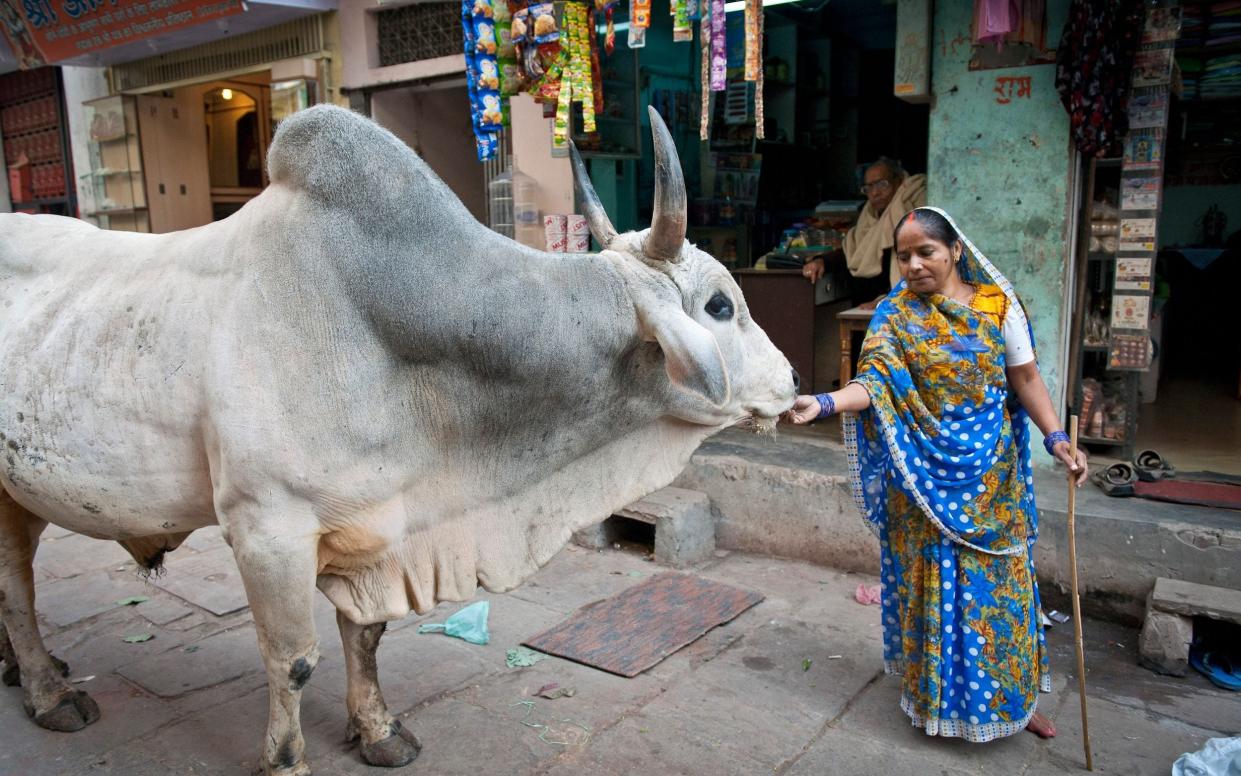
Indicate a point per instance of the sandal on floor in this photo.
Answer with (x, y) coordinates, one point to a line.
(1152, 467)
(1218, 668)
(1116, 480)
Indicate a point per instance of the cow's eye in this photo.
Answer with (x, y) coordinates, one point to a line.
(719, 307)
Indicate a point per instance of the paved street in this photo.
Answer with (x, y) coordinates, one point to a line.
(741, 700)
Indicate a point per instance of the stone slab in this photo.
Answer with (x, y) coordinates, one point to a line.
(126, 713)
(413, 668)
(67, 601)
(1190, 599)
(75, 554)
(209, 580)
(212, 661)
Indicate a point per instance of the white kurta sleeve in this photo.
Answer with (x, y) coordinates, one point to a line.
(1018, 349)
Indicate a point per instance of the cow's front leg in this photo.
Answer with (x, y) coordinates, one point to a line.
(277, 561)
(49, 699)
(384, 741)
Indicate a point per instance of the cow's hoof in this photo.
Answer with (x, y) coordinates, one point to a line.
(301, 769)
(13, 675)
(400, 748)
(74, 712)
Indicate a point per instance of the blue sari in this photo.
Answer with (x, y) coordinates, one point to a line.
(940, 466)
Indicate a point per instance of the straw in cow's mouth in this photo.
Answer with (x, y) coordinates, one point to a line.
(758, 424)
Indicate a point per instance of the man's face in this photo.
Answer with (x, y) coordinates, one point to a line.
(879, 186)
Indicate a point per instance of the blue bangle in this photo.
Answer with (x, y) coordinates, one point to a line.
(827, 405)
(1053, 439)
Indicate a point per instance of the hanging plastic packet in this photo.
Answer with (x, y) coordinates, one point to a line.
(468, 624)
(596, 72)
(682, 29)
(760, 122)
(719, 48)
(510, 80)
(482, 75)
(606, 7)
(696, 8)
(543, 23)
(639, 21)
(753, 43)
(704, 40)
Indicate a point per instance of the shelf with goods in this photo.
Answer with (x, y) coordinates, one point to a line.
(36, 154)
(116, 177)
(1105, 400)
(1208, 53)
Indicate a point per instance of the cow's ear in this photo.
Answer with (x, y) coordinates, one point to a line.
(691, 354)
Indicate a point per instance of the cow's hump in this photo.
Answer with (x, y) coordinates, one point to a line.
(345, 160)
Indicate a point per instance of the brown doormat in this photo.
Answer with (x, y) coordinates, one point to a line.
(634, 630)
(1206, 494)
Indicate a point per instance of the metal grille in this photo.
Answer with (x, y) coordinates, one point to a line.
(412, 33)
(494, 167)
(299, 38)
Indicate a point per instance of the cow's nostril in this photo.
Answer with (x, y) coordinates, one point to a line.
(796, 380)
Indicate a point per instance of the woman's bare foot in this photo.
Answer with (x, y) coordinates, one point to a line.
(1041, 726)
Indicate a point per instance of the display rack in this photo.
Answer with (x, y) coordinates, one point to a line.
(116, 175)
(36, 148)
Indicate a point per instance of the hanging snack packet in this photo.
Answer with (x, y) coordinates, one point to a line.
(639, 21)
(543, 23)
(682, 29)
(719, 48)
(606, 7)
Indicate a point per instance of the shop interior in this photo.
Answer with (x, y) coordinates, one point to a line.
(146, 177)
(829, 111)
(1187, 406)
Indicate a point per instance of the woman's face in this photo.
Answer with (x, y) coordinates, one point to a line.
(926, 264)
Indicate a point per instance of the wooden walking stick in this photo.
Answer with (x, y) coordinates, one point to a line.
(1077, 606)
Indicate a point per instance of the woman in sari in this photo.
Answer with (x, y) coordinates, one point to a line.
(940, 462)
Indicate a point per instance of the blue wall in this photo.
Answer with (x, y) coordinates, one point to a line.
(1003, 171)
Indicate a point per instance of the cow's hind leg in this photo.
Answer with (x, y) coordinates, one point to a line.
(277, 562)
(385, 742)
(49, 699)
(12, 676)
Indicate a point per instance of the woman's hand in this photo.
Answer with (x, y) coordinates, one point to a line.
(1079, 467)
(805, 409)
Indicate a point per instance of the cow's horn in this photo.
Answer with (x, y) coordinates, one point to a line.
(600, 225)
(667, 235)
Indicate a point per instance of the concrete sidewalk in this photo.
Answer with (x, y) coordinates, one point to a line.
(793, 686)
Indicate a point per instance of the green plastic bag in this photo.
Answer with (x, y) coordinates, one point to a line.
(469, 624)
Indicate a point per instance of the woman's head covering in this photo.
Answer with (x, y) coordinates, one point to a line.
(974, 267)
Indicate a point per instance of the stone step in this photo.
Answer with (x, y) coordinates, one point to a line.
(1168, 629)
(684, 526)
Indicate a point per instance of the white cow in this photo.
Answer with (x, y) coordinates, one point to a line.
(364, 387)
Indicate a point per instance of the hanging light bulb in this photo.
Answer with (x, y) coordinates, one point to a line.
(227, 94)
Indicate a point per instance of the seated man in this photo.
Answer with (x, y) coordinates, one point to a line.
(890, 194)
